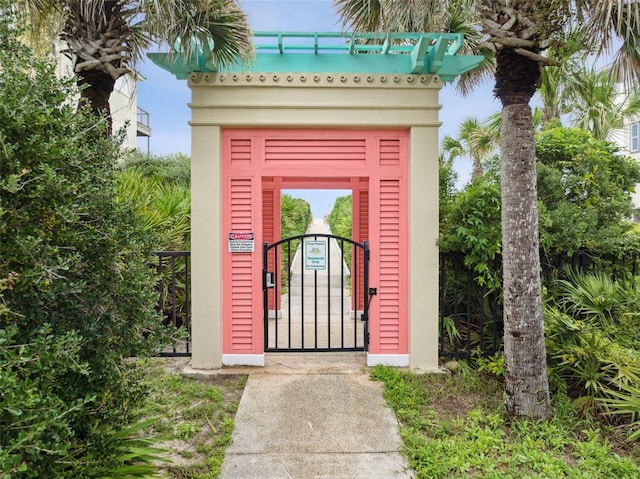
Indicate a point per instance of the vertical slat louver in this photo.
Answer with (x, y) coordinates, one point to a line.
(241, 268)
(269, 232)
(363, 235)
(390, 267)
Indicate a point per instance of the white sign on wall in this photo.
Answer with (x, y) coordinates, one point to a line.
(315, 255)
(241, 243)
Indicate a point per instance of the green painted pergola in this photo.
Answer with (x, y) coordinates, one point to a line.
(373, 53)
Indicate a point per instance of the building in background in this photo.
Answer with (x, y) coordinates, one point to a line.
(628, 138)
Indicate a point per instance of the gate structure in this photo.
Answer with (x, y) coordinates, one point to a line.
(326, 111)
(311, 300)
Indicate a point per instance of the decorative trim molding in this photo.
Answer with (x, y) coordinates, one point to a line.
(396, 360)
(243, 360)
(315, 80)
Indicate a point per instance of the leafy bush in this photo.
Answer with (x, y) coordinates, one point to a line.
(584, 191)
(472, 227)
(295, 217)
(341, 223)
(174, 168)
(76, 291)
(163, 207)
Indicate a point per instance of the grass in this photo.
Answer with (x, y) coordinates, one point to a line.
(455, 427)
(194, 418)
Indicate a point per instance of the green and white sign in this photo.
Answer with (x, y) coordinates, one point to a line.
(315, 255)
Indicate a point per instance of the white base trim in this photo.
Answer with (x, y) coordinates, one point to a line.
(243, 359)
(397, 360)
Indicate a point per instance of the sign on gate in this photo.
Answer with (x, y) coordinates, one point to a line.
(315, 255)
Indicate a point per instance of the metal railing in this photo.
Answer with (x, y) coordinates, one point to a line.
(470, 315)
(174, 288)
(144, 123)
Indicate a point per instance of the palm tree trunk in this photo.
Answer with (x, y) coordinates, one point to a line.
(96, 88)
(526, 382)
(477, 168)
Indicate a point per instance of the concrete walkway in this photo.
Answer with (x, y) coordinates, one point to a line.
(314, 416)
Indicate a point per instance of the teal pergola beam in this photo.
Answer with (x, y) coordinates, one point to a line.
(418, 54)
(330, 52)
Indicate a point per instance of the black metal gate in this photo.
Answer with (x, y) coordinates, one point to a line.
(316, 294)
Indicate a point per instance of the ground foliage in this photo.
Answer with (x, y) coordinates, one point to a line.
(593, 346)
(456, 427)
(76, 292)
(193, 418)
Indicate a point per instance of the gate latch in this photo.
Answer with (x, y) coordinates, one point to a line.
(269, 279)
(372, 292)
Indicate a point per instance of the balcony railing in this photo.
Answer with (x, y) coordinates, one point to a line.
(144, 125)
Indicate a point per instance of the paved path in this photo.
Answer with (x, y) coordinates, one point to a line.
(319, 416)
(308, 416)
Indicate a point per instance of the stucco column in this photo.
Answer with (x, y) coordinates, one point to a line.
(206, 248)
(423, 249)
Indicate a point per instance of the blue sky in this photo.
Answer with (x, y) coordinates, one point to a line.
(166, 98)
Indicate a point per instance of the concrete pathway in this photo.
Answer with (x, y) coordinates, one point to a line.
(314, 416)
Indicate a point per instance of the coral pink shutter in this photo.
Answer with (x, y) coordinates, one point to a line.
(324, 152)
(389, 261)
(389, 227)
(241, 268)
(362, 235)
(242, 332)
(254, 161)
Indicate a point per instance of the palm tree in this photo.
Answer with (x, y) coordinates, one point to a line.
(556, 83)
(475, 140)
(519, 31)
(595, 103)
(105, 38)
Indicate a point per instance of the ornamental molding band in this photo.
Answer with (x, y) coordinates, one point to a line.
(334, 54)
(315, 80)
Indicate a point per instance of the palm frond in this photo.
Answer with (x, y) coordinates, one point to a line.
(216, 28)
(361, 15)
(615, 21)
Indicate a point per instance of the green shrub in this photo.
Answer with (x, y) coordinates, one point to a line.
(340, 221)
(76, 292)
(174, 168)
(163, 207)
(295, 214)
(592, 339)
